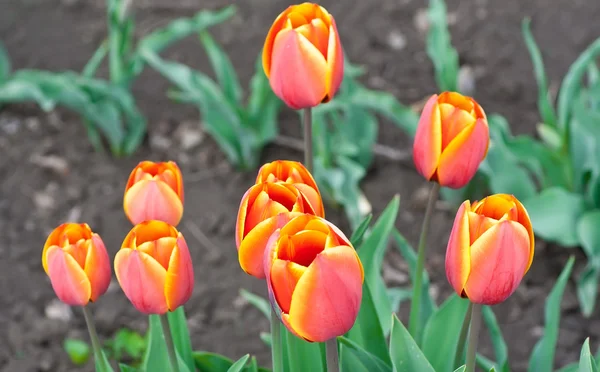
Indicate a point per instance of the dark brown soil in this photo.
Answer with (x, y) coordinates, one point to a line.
(87, 186)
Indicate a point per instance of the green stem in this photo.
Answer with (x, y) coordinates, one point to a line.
(464, 330)
(415, 305)
(473, 337)
(102, 364)
(276, 342)
(333, 359)
(308, 148)
(166, 328)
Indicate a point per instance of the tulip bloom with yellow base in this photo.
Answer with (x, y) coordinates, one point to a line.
(154, 268)
(154, 191)
(452, 139)
(295, 173)
(490, 249)
(265, 207)
(314, 278)
(77, 263)
(303, 57)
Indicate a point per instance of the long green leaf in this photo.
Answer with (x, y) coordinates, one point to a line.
(586, 360)
(404, 352)
(181, 336)
(544, 104)
(498, 343)
(156, 358)
(221, 64)
(238, 366)
(357, 235)
(263, 105)
(260, 303)
(439, 47)
(4, 64)
(542, 357)
(303, 355)
(354, 358)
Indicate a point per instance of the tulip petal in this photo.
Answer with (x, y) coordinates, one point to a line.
(179, 283)
(458, 252)
(498, 262)
(68, 279)
(298, 71)
(284, 277)
(454, 123)
(152, 200)
(335, 62)
(252, 249)
(478, 224)
(313, 197)
(303, 247)
(327, 297)
(427, 148)
(142, 279)
(460, 160)
(97, 267)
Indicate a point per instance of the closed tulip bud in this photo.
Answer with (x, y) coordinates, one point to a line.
(154, 268)
(314, 277)
(77, 263)
(452, 139)
(303, 57)
(490, 249)
(154, 191)
(295, 173)
(265, 207)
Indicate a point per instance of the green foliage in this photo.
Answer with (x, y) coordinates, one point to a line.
(241, 131)
(439, 47)
(79, 351)
(126, 345)
(211, 362)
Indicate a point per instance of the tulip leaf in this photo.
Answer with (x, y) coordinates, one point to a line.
(542, 357)
(442, 332)
(544, 103)
(156, 358)
(221, 64)
(358, 234)
(404, 351)
(212, 362)
(4, 64)
(554, 213)
(367, 330)
(126, 368)
(587, 283)
(397, 296)
(428, 305)
(354, 358)
(461, 369)
(78, 351)
(371, 254)
(259, 302)
(263, 105)
(586, 360)
(439, 47)
(238, 366)
(181, 336)
(303, 355)
(498, 343)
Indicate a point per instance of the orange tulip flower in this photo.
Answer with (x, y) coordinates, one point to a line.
(303, 57)
(77, 263)
(154, 191)
(314, 278)
(490, 249)
(452, 139)
(154, 268)
(264, 208)
(295, 173)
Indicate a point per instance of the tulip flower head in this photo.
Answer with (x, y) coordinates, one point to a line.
(303, 57)
(265, 207)
(154, 191)
(452, 139)
(490, 249)
(314, 278)
(154, 268)
(77, 263)
(295, 173)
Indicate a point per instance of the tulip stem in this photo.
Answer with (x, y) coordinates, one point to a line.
(415, 305)
(463, 336)
(308, 147)
(473, 337)
(166, 328)
(102, 364)
(276, 342)
(333, 359)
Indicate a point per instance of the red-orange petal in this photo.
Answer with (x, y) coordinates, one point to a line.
(284, 276)
(313, 197)
(460, 160)
(427, 147)
(252, 249)
(142, 279)
(327, 297)
(68, 279)
(298, 71)
(458, 252)
(152, 200)
(179, 283)
(335, 62)
(97, 267)
(498, 262)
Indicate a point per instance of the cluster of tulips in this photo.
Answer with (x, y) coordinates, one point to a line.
(313, 274)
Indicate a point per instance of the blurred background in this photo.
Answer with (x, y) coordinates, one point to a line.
(50, 173)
